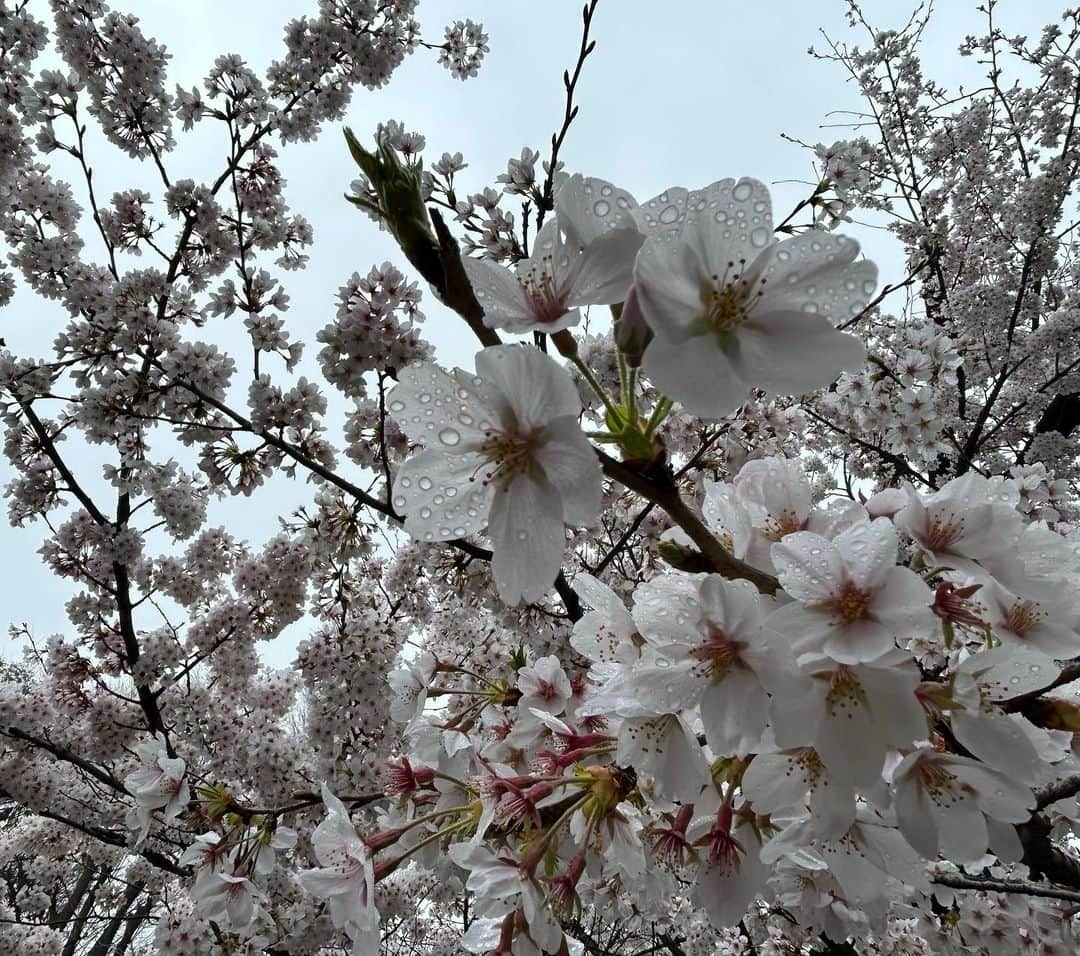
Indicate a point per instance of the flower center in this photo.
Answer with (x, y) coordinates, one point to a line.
(1022, 616)
(538, 283)
(851, 603)
(785, 523)
(729, 300)
(944, 530)
(717, 652)
(505, 457)
(845, 693)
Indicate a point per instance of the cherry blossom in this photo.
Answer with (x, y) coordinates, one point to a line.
(504, 446)
(732, 309)
(852, 601)
(157, 784)
(345, 877)
(573, 264)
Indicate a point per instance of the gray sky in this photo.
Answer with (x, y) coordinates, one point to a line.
(677, 93)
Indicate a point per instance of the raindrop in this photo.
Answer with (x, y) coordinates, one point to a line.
(397, 406)
(424, 398)
(669, 215)
(522, 534)
(449, 436)
(601, 207)
(605, 190)
(869, 286)
(760, 237)
(810, 307)
(425, 512)
(425, 484)
(399, 501)
(743, 191)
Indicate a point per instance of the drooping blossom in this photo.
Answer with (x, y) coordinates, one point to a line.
(157, 784)
(345, 877)
(958, 806)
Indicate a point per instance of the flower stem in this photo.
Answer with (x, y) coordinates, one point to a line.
(596, 387)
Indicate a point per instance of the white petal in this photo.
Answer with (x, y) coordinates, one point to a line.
(916, 821)
(571, 465)
(439, 497)
(728, 223)
(670, 282)
(792, 353)
(665, 748)
(427, 400)
(998, 741)
(962, 828)
(663, 215)
(528, 539)
(869, 552)
(697, 373)
(536, 388)
(605, 269)
(816, 269)
(732, 606)
(809, 567)
(505, 304)
(667, 609)
(588, 207)
(734, 712)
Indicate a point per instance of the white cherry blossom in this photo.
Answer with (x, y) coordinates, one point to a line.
(157, 784)
(576, 261)
(504, 449)
(707, 649)
(732, 309)
(852, 715)
(948, 803)
(851, 599)
(345, 877)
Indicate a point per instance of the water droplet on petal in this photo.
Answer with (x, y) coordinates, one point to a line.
(810, 307)
(759, 237)
(397, 406)
(522, 534)
(601, 207)
(425, 483)
(743, 191)
(450, 436)
(869, 286)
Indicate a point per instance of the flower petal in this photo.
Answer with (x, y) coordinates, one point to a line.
(697, 373)
(815, 271)
(791, 353)
(528, 538)
(535, 387)
(571, 465)
(439, 497)
(605, 269)
(670, 282)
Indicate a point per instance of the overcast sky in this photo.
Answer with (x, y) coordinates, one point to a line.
(680, 92)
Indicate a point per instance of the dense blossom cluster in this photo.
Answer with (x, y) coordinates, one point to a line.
(745, 623)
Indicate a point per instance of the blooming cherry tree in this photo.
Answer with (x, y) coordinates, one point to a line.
(733, 609)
